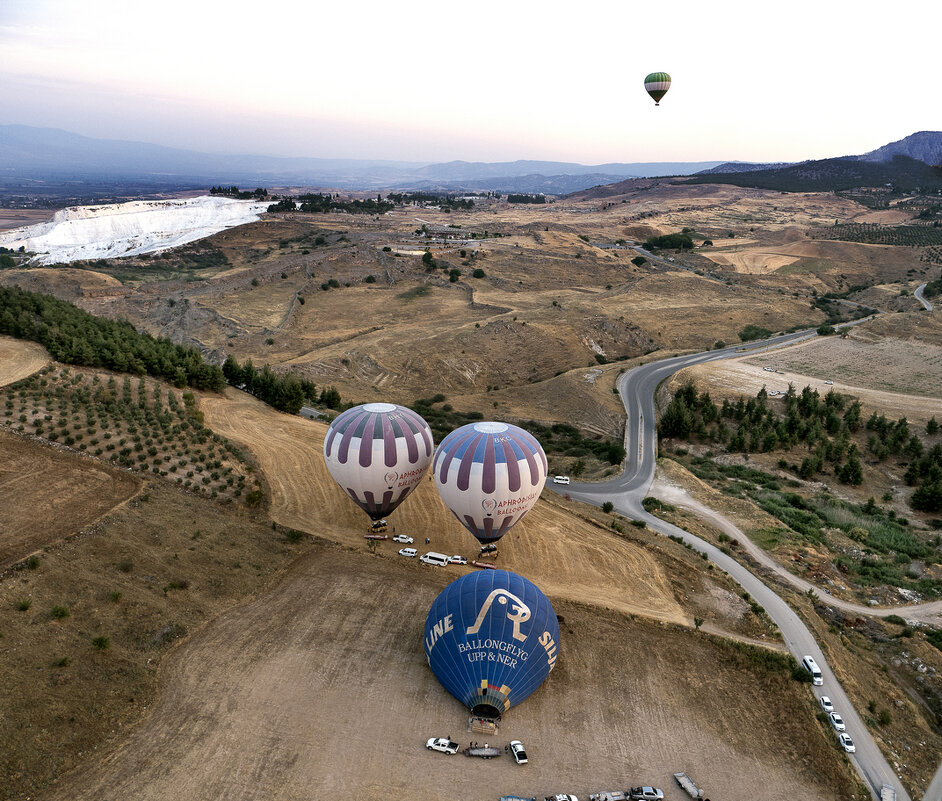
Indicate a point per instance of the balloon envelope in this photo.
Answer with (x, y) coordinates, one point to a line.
(490, 475)
(378, 453)
(656, 85)
(491, 638)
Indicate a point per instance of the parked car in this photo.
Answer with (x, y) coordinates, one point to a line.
(645, 793)
(403, 538)
(407, 551)
(457, 560)
(837, 722)
(826, 704)
(518, 752)
(846, 743)
(560, 479)
(443, 744)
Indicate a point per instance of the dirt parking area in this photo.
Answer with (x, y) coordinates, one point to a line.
(319, 689)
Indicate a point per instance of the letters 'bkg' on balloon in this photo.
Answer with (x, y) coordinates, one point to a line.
(378, 453)
(491, 639)
(489, 474)
(656, 85)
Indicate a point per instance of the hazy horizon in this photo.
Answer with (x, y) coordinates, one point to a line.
(496, 82)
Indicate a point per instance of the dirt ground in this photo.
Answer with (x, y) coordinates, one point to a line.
(19, 359)
(890, 376)
(601, 568)
(319, 689)
(45, 499)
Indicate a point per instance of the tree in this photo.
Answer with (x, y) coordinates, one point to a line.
(932, 427)
(825, 329)
(852, 472)
(639, 260)
(607, 507)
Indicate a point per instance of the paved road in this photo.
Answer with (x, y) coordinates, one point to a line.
(626, 493)
(925, 303)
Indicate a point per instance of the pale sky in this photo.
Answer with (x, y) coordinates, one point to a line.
(481, 81)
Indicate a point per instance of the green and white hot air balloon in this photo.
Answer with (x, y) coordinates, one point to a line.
(656, 85)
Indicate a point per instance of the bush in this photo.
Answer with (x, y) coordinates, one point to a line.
(59, 612)
(607, 507)
(751, 332)
(101, 643)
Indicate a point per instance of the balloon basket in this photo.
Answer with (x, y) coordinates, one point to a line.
(481, 725)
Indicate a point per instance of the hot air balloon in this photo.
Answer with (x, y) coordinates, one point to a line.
(491, 638)
(656, 85)
(490, 475)
(378, 453)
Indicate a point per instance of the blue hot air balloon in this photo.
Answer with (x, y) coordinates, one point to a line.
(491, 638)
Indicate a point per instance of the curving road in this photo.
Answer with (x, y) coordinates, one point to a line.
(637, 387)
(921, 298)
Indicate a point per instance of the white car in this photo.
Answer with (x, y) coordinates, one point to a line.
(404, 539)
(518, 752)
(829, 382)
(443, 744)
(646, 793)
(837, 722)
(846, 743)
(561, 797)
(560, 479)
(826, 704)
(407, 552)
(457, 560)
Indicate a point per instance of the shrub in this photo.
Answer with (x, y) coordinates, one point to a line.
(101, 643)
(59, 612)
(24, 604)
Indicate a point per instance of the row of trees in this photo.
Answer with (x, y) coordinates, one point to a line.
(823, 424)
(233, 191)
(74, 336)
(284, 391)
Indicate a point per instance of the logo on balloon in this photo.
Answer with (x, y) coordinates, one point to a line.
(489, 505)
(391, 477)
(517, 614)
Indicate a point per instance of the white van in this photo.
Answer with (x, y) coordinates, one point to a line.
(811, 666)
(432, 558)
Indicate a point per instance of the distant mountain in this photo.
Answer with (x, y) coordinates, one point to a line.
(925, 146)
(28, 153)
(742, 166)
(903, 173)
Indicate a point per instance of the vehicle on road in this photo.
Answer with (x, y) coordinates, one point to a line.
(432, 558)
(443, 744)
(405, 539)
(519, 752)
(560, 479)
(837, 722)
(808, 663)
(826, 704)
(407, 551)
(829, 382)
(846, 743)
(457, 560)
(645, 793)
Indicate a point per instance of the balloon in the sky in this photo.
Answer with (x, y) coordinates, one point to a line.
(491, 638)
(378, 453)
(489, 475)
(656, 85)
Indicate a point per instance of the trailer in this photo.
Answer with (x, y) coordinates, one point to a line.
(485, 565)
(688, 786)
(376, 536)
(888, 793)
(483, 751)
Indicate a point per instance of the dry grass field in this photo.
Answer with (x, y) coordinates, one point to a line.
(19, 359)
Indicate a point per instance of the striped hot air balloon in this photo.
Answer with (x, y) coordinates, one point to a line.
(656, 85)
(491, 639)
(378, 453)
(490, 475)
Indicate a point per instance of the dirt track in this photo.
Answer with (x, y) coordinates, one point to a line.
(320, 690)
(600, 567)
(19, 359)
